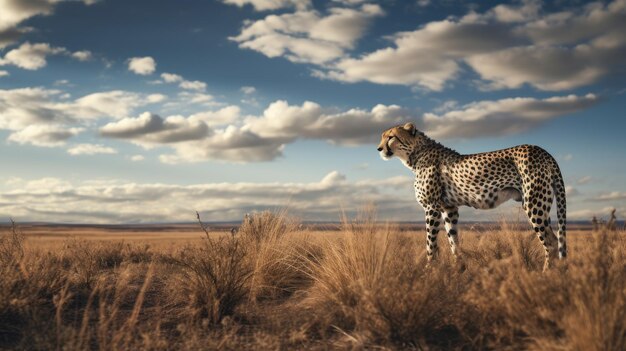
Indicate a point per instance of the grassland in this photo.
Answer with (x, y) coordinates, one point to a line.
(277, 285)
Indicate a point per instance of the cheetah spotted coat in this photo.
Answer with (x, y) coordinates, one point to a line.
(446, 180)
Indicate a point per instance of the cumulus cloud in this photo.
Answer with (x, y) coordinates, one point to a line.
(182, 82)
(171, 78)
(311, 121)
(426, 57)
(4, 74)
(90, 149)
(83, 55)
(307, 35)
(44, 135)
(148, 129)
(114, 202)
(47, 117)
(34, 56)
(225, 135)
(193, 85)
(264, 137)
(503, 117)
(264, 5)
(508, 46)
(142, 65)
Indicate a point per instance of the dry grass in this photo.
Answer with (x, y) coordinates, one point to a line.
(273, 286)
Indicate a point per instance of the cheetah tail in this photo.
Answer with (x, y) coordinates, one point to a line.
(558, 186)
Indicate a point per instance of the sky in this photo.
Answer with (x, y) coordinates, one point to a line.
(143, 111)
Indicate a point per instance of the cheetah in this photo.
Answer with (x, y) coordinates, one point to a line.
(446, 180)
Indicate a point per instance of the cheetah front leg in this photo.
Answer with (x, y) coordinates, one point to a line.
(433, 220)
(451, 218)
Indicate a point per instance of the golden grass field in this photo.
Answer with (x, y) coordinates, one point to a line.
(278, 286)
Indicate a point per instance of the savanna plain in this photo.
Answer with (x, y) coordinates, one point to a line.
(280, 285)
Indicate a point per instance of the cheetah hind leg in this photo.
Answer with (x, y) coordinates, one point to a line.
(552, 242)
(541, 224)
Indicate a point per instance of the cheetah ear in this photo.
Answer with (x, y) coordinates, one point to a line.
(410, 127)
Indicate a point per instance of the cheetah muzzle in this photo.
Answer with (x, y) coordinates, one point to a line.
(446, 180)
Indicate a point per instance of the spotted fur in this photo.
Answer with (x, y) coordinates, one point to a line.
(446, 180)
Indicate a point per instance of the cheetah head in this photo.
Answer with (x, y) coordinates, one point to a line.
(397, 141)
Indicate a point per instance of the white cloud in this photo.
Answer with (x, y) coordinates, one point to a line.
(508, 46)
(4, 74)
(264, 5)
(307, 36)
(182, 82)
(142, 65)
(43, 135)
(311, 121)
(225, 135)
(83, 55)
(47, 117)
(149, 129)
(34, 56)
(30, 56)
(90, 149)
(222, 135)
(426, 57)
(171, 78)
(137, 158)
(193, 85)
(115, 201)
(503, 117)
(528, 10)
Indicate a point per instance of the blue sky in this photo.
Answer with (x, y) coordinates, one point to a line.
(118, 111)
